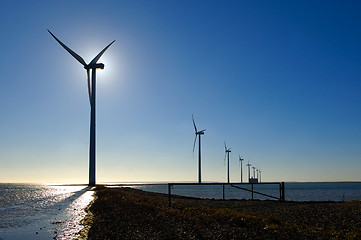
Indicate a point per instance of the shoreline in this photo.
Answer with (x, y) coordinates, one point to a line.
(87, 221)
(126, 213)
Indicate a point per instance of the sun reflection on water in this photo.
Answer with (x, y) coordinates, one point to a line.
(69, 221)
(44, 211)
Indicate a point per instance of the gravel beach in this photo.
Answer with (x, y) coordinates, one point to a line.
(126, 213)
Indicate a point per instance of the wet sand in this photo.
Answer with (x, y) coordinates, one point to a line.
(125, 213)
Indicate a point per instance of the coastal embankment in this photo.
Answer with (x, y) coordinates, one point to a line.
(126, 213)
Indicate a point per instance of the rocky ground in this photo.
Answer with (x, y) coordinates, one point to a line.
(125, 213)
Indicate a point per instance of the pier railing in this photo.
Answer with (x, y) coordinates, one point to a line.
(281, 186)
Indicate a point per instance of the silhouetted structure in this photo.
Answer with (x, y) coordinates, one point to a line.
(241, 160)
(253, 179)
(281, 186)
(198, 133)
(93, 65)
(227, 151)
(249, 171)
(260, 174)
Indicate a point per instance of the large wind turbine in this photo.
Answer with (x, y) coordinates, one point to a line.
(93, 65)
(241, 160)
(227, 151)
(198, 133)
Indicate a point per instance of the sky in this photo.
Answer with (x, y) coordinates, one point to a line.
(278, 81)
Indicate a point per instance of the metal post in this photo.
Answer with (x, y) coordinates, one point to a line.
(92, 132)
(282, 191)
(223, 191)
(169, 194)
(252, 191)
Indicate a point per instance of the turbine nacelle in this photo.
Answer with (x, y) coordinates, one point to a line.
(196, 132)
(94, 66)
(200, 132)
(227, 150)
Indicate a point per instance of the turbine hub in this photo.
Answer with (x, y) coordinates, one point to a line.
(96, 66)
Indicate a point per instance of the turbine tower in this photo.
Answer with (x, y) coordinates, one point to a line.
(227, 151)
(241, 160)
(249, 171)
(93, 65)
(260, 174)
(198, 133)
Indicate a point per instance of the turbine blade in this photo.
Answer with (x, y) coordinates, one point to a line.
(76, 56)
(87, 71)
(194, 144)
(225, 147)
(203, 130)
(94, 61)
(194, 124)
(224, 160)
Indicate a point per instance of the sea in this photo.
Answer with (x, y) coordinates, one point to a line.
(294, 191)
(43, 211)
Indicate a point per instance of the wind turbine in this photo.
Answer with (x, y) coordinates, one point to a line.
(260, 174)
(257, 172)
(249, 170)
(254, 172)
(241, 160)
(93, 65)
(227, 151)
(198, 133)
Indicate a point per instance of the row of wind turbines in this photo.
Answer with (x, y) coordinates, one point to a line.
(93, 66)
(252, 178)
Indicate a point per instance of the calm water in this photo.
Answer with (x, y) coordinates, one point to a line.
(293, 191)
(30, 211)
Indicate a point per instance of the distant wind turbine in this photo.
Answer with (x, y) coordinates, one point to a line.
(249, 171)
(254, 172)
(257, 172)
(260, 174)
(227, 151)
(198, 133)
(240, 161)
(93, 65)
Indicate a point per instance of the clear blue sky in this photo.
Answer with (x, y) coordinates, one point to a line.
(279, 81)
